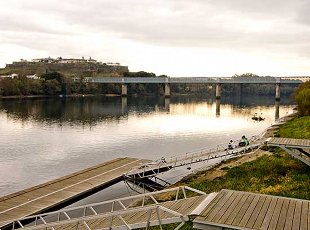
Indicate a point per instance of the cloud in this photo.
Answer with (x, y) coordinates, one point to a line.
(114, 29)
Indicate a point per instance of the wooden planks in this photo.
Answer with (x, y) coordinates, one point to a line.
(243, 210)
(47, 195)
(289, 142)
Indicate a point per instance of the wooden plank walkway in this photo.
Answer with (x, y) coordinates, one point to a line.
(244, 210)
(289, 142)
(45, 196)
(297, 148)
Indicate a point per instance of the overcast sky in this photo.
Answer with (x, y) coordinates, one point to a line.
(172, 37)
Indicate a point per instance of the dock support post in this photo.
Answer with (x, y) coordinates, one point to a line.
(167, 90)
(124, 90)
(277, 92)
(218, 91)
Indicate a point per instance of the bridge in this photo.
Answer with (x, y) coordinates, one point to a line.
(198, 80)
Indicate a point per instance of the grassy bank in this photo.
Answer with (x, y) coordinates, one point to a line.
(274, 174)
(299, 127)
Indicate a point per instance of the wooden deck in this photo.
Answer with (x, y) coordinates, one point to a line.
(45, 196)
(297, 148)
(289, 142)
(243, 210)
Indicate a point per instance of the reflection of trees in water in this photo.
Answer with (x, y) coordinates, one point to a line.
(88, 110)
(93, 110)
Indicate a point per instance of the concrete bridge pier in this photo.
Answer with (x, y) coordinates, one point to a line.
(218, 91)
(167, 90)
(124, 90)
(277, 92)
(218, 107)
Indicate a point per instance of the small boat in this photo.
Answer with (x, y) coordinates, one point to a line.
(257, 118)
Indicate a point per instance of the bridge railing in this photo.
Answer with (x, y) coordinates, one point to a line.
(193, 80)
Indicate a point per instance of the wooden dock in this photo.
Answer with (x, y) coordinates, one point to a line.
(244, 210)
(131, 212)
(63, 190)
(289, 142)
(227, 209)
(297, 148)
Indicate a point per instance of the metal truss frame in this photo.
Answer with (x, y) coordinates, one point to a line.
(118, 207)
(154, 168)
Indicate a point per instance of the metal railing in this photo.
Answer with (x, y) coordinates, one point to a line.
(206, 80)
(154, 216)
(106, 208)
(220, 151)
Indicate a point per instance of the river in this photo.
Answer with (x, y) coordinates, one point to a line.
(44, 138)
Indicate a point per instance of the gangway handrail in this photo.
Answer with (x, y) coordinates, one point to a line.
(43, 218)
(176, 218)
(152, 169)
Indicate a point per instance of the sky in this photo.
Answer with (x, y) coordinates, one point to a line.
(177, 38)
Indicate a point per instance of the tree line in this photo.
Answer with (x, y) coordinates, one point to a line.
(54, 83)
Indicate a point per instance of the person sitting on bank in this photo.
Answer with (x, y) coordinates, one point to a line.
(231, 145)
(244, 141)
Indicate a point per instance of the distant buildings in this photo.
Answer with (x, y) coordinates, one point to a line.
(66, 61)
(70, 67)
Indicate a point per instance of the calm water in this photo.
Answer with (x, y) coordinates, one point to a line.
(43, 139)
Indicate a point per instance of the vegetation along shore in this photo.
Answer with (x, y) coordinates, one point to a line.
(268, 170)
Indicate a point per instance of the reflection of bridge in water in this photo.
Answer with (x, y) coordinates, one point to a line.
(100, 109)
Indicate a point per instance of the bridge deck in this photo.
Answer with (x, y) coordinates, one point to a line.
(45, 196)
(243, 210)
(196, 80)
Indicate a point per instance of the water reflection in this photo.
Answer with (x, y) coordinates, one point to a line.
(93, 110)
(277, 110)
(167, 104)
(218, 107)
(62, 135)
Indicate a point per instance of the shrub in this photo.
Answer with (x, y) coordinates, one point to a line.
(302, 97)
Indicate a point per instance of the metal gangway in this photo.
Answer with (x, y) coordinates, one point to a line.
(139, 211)
(221, 151)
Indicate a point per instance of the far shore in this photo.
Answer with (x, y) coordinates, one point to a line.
(59, 96)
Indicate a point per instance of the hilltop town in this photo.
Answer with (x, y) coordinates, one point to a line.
(70, 67)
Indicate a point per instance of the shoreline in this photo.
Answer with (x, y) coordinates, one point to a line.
(217, 170)
(59, 96)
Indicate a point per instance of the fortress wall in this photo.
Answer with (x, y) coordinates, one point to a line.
(77, 69)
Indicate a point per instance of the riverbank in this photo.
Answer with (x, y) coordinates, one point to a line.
(59, 96)
(268, 171)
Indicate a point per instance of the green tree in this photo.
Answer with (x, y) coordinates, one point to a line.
(51, 87)
(302, 97)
